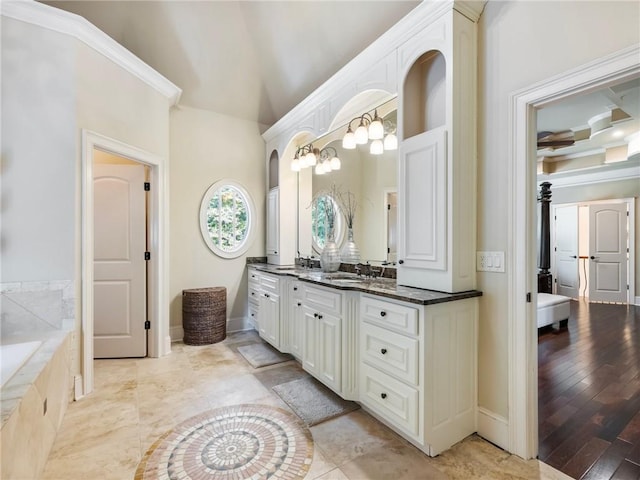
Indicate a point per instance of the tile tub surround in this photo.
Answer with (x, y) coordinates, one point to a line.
(136, 401)
(34, 402)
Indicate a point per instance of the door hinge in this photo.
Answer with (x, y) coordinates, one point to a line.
(147, 325)
(388, 206)
(528, 297)
(388, 250)
(147, 186)
(147, 255)
(627, 287)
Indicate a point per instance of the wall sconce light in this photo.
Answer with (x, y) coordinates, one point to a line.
(324, 161)
(371, 127)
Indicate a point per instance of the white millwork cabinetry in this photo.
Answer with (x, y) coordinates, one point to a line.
(322, 351)
(437, 161)
(292, 324)
(418, 369)
(253, 297)
(273, 221)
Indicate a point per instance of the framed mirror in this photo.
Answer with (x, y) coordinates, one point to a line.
(372, 179)
(227, 219)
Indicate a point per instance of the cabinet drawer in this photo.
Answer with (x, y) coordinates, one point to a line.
(324, 300)
(389, 315)
(254, 277)
(269, 283)
(395, 401)
(390, 352)
(253, 293)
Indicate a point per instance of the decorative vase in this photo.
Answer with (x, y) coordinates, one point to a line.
(350, 252)
(330, 256)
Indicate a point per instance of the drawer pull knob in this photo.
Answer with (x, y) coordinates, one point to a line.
(315, 315)
(320, 316)
(383, 313)
(295, 289)
(253, 293)
(299, 304)
(383, 395)
(400, 262)
(383, 351)
(266, 295)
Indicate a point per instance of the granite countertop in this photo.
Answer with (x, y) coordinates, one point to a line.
(383, 287)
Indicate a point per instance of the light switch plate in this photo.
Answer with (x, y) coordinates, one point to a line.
(490, 261)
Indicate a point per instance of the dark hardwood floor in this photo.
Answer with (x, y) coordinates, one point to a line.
(589, 393)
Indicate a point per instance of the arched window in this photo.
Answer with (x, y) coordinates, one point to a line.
(227, 219)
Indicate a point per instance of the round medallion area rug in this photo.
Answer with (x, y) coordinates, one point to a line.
(231, 443)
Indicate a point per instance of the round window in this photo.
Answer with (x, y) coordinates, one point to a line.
(226, 219)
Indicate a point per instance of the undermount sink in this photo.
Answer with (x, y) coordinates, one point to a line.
(286, 268)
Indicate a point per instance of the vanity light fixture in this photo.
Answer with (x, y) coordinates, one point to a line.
(371, 127)
(324, 160)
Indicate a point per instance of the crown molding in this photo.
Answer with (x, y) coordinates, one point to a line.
(67, 23)
(591, 176)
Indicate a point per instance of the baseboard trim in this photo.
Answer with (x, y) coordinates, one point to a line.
(237, 324)
(636, 301)
(494, 428)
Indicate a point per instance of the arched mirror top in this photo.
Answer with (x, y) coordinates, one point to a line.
(424, 94)
(227, 219)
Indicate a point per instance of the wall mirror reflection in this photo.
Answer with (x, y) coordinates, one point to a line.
(370, 179)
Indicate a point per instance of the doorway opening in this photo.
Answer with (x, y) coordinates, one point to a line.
(522, 272)
(159, 340)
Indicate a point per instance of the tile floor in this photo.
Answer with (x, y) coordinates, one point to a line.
(105, 435)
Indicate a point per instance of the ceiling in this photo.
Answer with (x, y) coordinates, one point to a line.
(254, 60)
(596, 125)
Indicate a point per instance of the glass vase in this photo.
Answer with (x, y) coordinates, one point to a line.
(330, 256)
(350, 252)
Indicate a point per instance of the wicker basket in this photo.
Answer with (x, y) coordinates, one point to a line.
(204, 315)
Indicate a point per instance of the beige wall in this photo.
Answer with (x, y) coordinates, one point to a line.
(207, 147)
(520, 44)
(53, 86)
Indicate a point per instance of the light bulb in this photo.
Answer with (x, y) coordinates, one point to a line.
(311, 159)
(390, 142)
(335, 163)
(319, 170)
(376, 129)
(295, 165)
(349, 140)
(361, 135)
(326, 165)
(376, 147)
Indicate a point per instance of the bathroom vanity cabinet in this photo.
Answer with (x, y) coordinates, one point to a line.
(408, 355)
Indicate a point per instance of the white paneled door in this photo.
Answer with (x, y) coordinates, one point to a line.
(119, 261)
(608, 252)
(566, 250)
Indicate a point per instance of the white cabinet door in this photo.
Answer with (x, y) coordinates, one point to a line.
(330, 351)
(322, 353)
(311, 342)
(422, 202)
(273, 221)
(269, 320)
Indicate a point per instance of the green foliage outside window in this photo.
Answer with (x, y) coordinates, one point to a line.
(227, 218)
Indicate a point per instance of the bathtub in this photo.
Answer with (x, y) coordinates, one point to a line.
(13, 356)
(35, 391)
